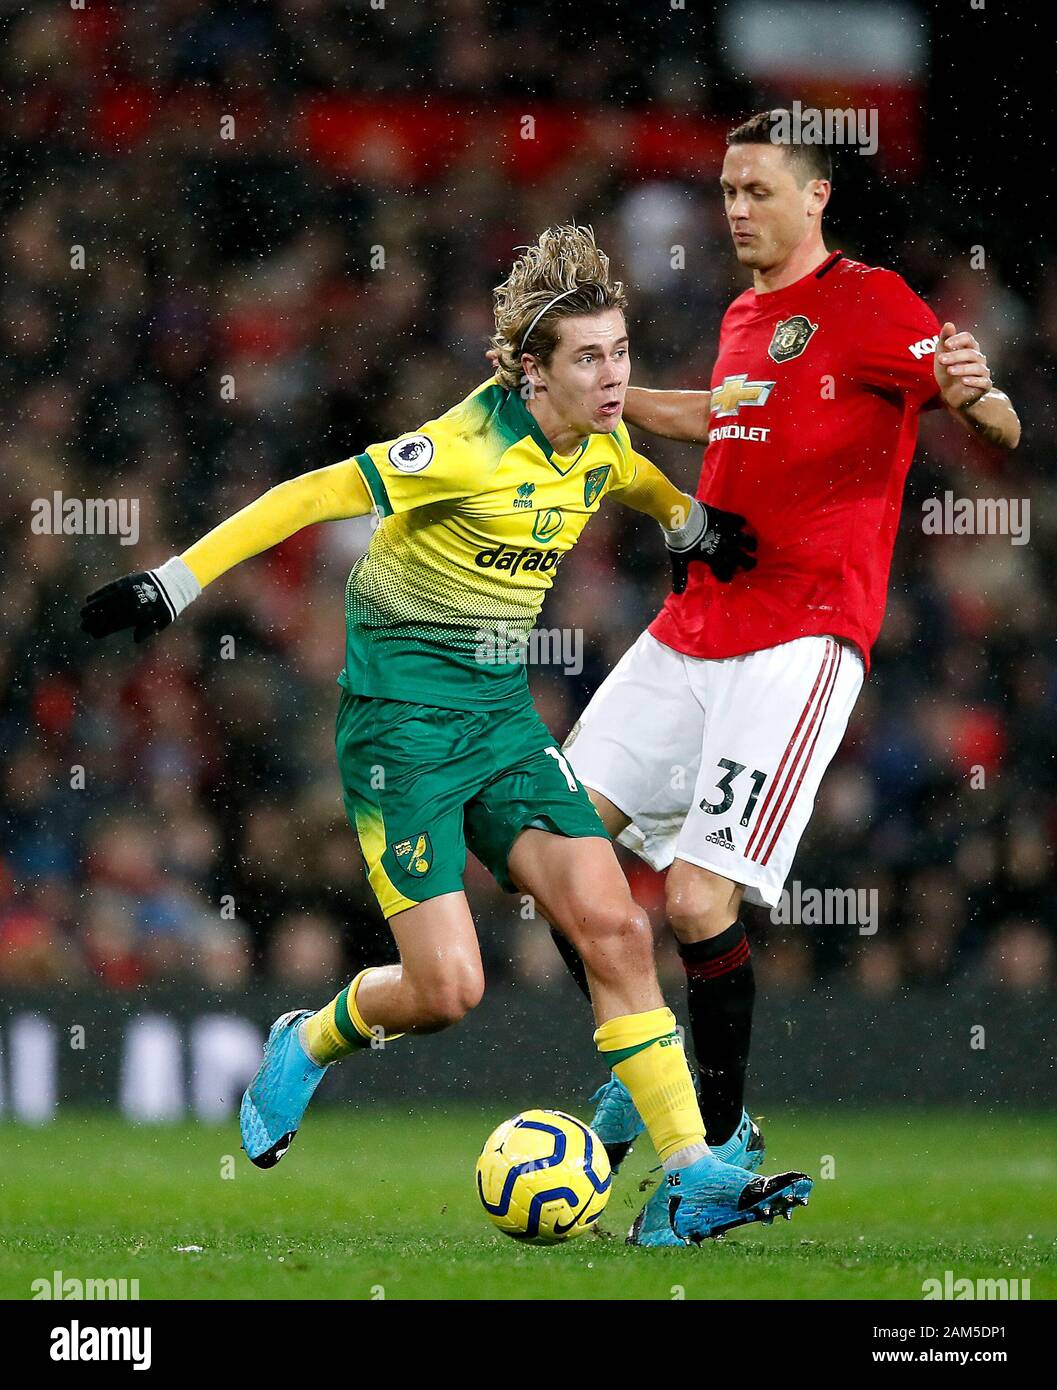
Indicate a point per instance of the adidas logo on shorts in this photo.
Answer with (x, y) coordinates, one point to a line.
(721, 837)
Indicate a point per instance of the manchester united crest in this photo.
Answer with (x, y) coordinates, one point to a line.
(791, 337)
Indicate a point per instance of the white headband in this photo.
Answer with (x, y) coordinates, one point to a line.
(549, 306)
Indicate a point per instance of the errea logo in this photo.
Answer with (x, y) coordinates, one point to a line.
(924, 347)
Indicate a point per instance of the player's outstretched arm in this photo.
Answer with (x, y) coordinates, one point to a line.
(968, 392)
(148, 601)
(681, 415)
(692, 530)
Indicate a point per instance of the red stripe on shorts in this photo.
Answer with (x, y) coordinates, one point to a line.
(750, 853)
(806, 762)
(780, 801)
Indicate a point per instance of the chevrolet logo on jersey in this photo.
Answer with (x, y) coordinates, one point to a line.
(508, 557)
(415, 856)
(735, 391)
(791, 337)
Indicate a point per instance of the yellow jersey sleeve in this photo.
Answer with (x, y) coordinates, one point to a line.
(627, 468)
(327, 494)
(641, 485)
(435, 464)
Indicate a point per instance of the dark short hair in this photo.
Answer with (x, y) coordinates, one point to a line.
(812, 160)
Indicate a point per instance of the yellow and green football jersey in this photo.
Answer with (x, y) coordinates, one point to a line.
(477, 512)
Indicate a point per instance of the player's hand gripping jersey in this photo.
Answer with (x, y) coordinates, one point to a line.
(816, 394)
(478, 512)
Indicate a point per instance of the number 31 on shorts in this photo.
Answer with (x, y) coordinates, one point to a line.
(723, 784)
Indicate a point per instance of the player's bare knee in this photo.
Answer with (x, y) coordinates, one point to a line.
(446, 1001)
(700, 904)
(612, 932)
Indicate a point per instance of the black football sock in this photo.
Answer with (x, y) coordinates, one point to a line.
(720, 994)
(573, 962)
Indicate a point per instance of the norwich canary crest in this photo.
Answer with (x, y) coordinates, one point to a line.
(415, 856)
(594, 482)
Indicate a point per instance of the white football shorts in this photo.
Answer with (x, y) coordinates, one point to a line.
(718, 761)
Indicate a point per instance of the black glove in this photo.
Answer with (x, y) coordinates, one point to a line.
(145, 602)
(722, 543)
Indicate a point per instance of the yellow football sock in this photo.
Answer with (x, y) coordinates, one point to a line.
(646, 1053)
(338, 1028)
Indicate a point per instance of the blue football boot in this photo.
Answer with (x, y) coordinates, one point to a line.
(652, 1226)
(744, 1149)
(709, 1198)
(616, 1121)
(278, 1095)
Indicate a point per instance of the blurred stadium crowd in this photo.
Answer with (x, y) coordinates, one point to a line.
(172, 811)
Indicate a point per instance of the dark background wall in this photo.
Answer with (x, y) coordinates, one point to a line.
(824, 1048)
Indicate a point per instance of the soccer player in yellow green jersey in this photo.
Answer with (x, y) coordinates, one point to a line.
(438, 743)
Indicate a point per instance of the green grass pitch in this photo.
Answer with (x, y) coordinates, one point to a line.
(377, 1203)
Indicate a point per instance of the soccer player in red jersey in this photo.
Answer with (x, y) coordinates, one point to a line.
(739, 692)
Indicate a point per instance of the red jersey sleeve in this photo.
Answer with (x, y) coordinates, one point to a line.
(899, 339)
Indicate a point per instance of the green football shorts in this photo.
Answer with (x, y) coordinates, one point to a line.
(421, 784)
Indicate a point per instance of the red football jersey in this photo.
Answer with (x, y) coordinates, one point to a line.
(816, 393)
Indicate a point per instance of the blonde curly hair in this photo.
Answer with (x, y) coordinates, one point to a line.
(565, 262)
